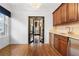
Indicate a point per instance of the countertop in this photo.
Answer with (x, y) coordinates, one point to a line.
(74, 36)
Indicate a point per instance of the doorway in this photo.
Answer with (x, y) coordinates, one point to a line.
(36, 29)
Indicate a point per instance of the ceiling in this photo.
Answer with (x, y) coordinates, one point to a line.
(27, 6)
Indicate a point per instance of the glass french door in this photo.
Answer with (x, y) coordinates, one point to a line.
(36, 29)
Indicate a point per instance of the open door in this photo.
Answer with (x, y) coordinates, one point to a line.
(36, 29)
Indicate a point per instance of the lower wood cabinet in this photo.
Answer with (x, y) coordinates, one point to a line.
(61, 44)
(56, 42)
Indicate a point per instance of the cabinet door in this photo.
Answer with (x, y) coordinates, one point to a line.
(63, 48)
(72, 12)
(54, 18)
(56, 42)
(59, 16)
(63, 45)
(64, 13)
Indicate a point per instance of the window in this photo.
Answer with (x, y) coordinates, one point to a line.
(2, 25)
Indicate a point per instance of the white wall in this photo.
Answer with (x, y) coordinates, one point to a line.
(4, 41)
(20, 21)
(20, 26)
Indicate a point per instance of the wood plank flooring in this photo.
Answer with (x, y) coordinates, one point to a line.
(29, 50)
(6, 51)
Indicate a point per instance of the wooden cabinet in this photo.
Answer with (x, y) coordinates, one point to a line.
(61, 44)
(66, 13)
(63, 48)
(56, 42)
(63, 13)
(72, 12)
(60, 15)
(57, 17)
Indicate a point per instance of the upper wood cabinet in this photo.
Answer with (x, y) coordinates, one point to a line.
(58, 16)
(72, 12)
(63, 13)
(55, 18)
(66, 13)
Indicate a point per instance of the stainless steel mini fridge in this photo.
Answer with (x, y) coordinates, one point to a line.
(73, 47)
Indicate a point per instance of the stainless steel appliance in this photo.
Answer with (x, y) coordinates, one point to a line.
(73, 47)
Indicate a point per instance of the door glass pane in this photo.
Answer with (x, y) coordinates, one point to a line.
(36, 26)
(31, 29)
(41, 28)
(31, 25)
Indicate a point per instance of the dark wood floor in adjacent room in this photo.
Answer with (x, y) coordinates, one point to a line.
(29, 50)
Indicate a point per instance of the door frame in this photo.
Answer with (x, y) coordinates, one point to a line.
(29, 29)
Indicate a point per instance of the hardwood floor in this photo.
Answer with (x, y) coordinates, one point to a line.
(6, 51)
(29, 50)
